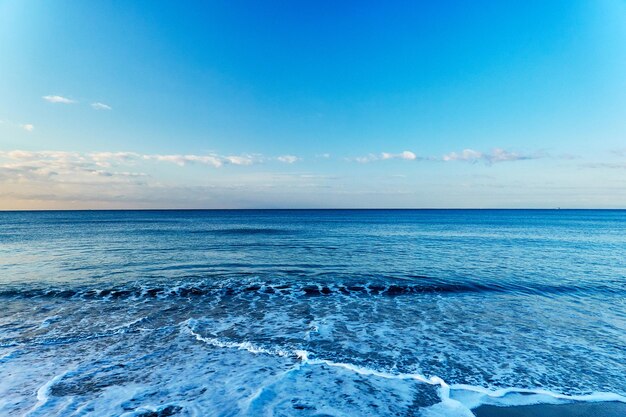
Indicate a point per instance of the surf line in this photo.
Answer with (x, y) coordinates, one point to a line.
(304, 358)
(43, 393)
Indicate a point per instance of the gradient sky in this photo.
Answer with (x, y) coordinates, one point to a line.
(241, 104)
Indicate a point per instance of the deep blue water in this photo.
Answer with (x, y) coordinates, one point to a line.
(302, 313)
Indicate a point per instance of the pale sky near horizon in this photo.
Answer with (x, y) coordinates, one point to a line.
(280, 104)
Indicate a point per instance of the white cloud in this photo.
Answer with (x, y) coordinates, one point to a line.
(214, 160)
(288, 159)
(467, 155)
(99, 160)
(383, 156)
(105, 159)
(240, 160)
(496, 155)
(407, 155)
(57, 179)
(100, 106)
(24, 155)
(25, 126)
(58, 99)
(63, 167)
(365, 159)
(17, 154)
(183, 160)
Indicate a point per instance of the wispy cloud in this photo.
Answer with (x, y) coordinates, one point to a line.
(106, 159)
(183, 160)
(288, 159)
(65, 167)
(495, 156)
(467, 155)
(406, 155)
(100, 160)
(217, 160)
(100, 106)
(58, 99)
(364, 159)
(59, 179)
(214, 160)
(608, 165)
(241, 160)
(24, 126)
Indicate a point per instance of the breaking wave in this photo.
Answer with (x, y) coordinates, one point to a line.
(209, 288)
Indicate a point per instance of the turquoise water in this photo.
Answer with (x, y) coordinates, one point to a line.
(302, 313)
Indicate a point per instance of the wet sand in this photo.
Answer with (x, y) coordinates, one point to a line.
(600, 409)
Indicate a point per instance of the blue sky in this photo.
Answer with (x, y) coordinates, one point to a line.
(237, 104)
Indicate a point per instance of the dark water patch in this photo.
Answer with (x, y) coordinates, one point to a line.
(306, 289)
(166, 411)
(223, 232)
(107, 221)
(248, 231)
(90, 382)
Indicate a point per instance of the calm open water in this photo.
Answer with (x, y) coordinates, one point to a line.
(303, 313)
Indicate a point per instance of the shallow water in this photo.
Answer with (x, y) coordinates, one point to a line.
(288, 313)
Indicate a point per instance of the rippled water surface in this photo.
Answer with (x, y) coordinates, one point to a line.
(302, 313)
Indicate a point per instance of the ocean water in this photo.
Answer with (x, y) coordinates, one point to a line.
(309, 313)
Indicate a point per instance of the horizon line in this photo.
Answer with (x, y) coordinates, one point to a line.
(324, 209)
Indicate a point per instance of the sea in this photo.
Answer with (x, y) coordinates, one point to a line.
(309, 312)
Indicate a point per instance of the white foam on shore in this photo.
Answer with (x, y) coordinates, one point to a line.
(250, 347)
(474, 396)
(457, 400)
(43, 393)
